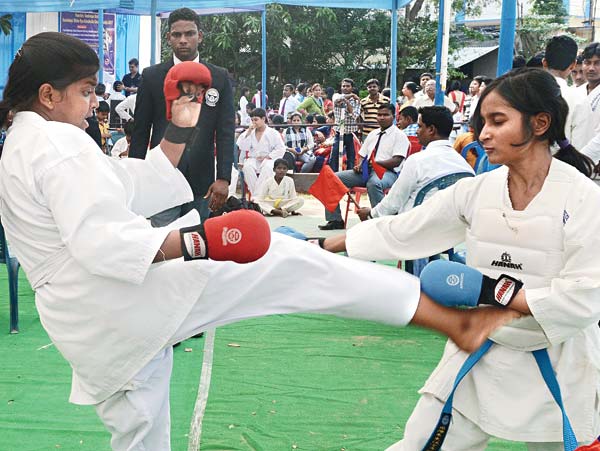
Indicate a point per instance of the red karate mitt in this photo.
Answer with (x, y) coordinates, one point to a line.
(242, 236)
(186, 71)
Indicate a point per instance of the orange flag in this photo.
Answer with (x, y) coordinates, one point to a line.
(328, 188)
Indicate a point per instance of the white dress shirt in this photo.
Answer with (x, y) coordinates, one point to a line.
(393, 143)
(437, 160)
(288, 105)
(424, 100)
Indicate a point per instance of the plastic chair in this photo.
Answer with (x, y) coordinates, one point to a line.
(12, 266)
(482, 164)
(416, 266)
(415, 145)
(478, 148)
(485, 165)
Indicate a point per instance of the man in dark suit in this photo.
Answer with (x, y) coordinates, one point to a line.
(215, 127)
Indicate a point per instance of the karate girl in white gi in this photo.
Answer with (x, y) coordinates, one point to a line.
(76, 221)
(535, 219)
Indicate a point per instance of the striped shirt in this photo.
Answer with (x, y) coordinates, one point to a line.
(369, 112)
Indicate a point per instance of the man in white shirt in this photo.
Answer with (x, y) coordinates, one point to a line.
(384, 150)
(438, 159)
(560, 58)
(586, 116)
(288, 103)
(429, 98)
(423, 79)
(259, 146)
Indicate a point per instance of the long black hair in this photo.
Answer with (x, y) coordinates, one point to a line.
(532, 91)
(54, 58)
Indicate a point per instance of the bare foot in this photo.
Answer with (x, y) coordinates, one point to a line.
(477, 324)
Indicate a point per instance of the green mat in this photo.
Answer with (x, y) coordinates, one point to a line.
(302, 382)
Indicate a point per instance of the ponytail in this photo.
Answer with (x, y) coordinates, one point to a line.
(570, 155)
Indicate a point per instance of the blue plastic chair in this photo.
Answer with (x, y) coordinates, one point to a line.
(12, 266)
(416, 266)
(482, 164)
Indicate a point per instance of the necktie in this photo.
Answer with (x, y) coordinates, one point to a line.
(365, 162)
(282, 112)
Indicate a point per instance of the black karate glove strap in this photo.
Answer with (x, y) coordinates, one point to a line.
(499, 292)
(178, 135)
(193, 243)
(318, 241)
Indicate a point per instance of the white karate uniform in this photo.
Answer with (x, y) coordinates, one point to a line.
(76, 222)
(574, 97)
(258, 156)
(279, 195)
(585, 123)
(504, 395)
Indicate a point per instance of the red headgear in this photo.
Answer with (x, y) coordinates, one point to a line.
(186, 71)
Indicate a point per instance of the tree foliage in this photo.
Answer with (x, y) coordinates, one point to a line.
(6, 24)
(318, 44)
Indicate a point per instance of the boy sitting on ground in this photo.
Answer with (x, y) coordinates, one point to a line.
(277, 196)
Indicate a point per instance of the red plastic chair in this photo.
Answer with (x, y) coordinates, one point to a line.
(415, 145)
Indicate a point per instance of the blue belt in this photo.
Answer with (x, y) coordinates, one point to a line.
(543, 361)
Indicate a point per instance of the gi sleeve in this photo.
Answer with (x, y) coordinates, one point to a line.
(89, 205)
(433, 227)
(155, 183)
(572, 301)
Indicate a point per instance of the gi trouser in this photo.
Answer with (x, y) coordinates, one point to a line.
(138, 415)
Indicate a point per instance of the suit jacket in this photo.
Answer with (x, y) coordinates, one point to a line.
(215, 128)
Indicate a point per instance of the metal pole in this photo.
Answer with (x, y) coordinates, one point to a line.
(263, 78)
(508, 26)
(153, 32)
(441, 51)
(101, 44)
(394, 54)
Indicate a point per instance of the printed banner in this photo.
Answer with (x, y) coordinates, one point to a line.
(84, 25)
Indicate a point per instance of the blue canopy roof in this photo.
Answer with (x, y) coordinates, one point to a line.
(143, 7)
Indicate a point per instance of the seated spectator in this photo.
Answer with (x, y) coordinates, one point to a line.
(378, 164)
(436, 160)
(116, 94)
(246, 120)
(428, 99)
(407, 122)
(457, 96)
(102, 115)
(277, 196)
(322, 150)
(93, 129)
(100, 91)
(121, 147)
(462, 140)
(259, 146)
(312, 104)
(277, 119)
(409, 90)
(300, 143)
